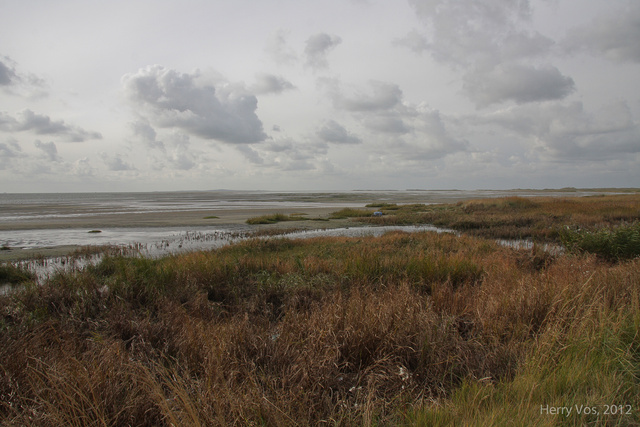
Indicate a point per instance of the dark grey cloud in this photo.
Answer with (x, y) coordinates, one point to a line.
(171, 99)
(49, 150)
(615, 35)
(569, 132)
(317, 47)
(43, 125)
(382, 96)
(269, 83)
(517, 83)
(333, 132)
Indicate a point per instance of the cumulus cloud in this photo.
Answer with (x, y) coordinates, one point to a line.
(143, 130)
(518, 83)
(83, 168)
(184, 101)
(269, 83)
(494, 45)
(465, 31)
(43, 125)
(412, 132)
(317, 48)
(116, 163)
(614, 36)
(49, 150)
(334, 132)
(569, 132)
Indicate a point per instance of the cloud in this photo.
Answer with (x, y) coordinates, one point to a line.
(43, 125)
(614, 36)
(115, 162)
(389, 123)
(412, 133)
(463, 32)
(383, 96)
(278, 48)
(147, 134)
(18, 83)
(8, 75)
(9, 151)
(269, 83)
(569, 132)
(414, 41)
(82, 168)
(49, 150)
(517, 83)
(184, 101)
(335, 133)
(317, 48)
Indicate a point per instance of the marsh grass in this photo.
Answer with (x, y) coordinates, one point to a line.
(13, 274)
(611, 243)
(539, 218)
(277, 217)
(417, 329)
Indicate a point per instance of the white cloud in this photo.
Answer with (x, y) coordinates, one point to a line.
(183, 101)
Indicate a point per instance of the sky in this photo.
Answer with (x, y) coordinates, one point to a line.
(294, 95)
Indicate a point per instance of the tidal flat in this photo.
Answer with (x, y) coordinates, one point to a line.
(419, 328)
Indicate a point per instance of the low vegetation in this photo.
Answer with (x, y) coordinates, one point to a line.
(403, 329)
(542, 219)
(276, 217)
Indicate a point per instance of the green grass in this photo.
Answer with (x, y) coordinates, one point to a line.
(15, 275)
(613, 244)
(351, 213)
(274, 218)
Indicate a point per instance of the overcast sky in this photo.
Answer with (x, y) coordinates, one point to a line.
(139, 95)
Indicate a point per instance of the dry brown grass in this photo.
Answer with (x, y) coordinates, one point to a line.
(343, 331)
